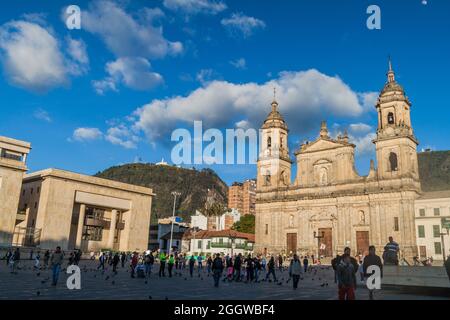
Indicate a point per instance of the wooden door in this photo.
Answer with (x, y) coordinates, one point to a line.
(326, 243)
(362, 242)
(423, 251)
(291, 243)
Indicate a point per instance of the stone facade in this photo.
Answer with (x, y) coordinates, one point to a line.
(76, 211)
(329, 206)
(13, 154)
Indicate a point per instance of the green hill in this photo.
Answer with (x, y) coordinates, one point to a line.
(434, 170)
(192, 184)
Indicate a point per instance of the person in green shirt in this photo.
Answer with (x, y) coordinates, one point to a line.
(162, 264)
(170, 265)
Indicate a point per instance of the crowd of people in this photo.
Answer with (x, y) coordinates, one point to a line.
(348, 270)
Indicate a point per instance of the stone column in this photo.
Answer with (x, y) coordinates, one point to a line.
(112, 229)
(80, 226)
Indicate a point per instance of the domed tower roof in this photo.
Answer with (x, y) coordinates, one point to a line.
(392, 85)
(275, 119)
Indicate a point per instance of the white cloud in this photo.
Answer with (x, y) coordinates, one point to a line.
(43, 115)
(125, 35)
(87, 134)
(239, 64)
(31, 56)
(304, 97)
(205, 76)
(359, 127)
(244, 25)
(135, 73)
(122, 136)
(195, 6)
(364, 144)
(243, 124)
(76, 50)
(368, 100)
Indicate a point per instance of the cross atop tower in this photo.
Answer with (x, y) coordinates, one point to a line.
(390, 74)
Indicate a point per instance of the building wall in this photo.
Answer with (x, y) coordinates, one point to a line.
(346, 215)
(11, 175)
(427, 219)
(63, 194)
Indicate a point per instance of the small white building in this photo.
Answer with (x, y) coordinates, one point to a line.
(430, 208)
(224, 242)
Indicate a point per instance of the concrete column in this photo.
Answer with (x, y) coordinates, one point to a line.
(80, 225)
(112, 229)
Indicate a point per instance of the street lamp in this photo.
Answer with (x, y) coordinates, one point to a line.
(175, 195)
(318, 237)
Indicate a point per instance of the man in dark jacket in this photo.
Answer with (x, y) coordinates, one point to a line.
(346, 278)
(217, 268)
(115, 262)
(372, 260)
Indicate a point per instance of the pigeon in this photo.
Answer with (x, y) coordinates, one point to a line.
(107, 278)
(280, 283)
(38, 274)
(185, 279)
(38, 293)
(146, 282)
(322, 285)
(150, 297)
(202, 279)
(167, 298)
(43, 281)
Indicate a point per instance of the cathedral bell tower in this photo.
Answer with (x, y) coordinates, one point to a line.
(274, 164)
(396, 145)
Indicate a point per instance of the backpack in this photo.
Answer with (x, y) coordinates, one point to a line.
(218, 264)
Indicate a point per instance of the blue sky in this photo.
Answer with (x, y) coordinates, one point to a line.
(114, 91)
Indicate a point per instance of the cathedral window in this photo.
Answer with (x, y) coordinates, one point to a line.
(391, 118)
(393, 161)
(396, 225)
(269, 142)
(267, 229)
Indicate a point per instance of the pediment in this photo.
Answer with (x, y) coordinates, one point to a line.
(323, 144)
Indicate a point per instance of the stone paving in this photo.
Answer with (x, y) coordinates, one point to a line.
(33, 285)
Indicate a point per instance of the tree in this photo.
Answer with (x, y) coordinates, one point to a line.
(246, 224)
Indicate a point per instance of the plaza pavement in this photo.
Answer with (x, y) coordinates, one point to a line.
(32, 285)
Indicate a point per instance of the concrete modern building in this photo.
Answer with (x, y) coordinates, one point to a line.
(431, 207)
(13, 156)
(329, 206)
(242, 197)
(77, 211)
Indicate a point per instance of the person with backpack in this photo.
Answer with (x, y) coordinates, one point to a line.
(295, 271)
(372, 260)
(162, 264)
(56, 261)
(346, 278)
(271, 269)
(217, 268)
(390, 254)
(148, 263)
(191, 265)
(170, 265)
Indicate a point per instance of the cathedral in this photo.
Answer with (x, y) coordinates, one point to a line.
(329, 206)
